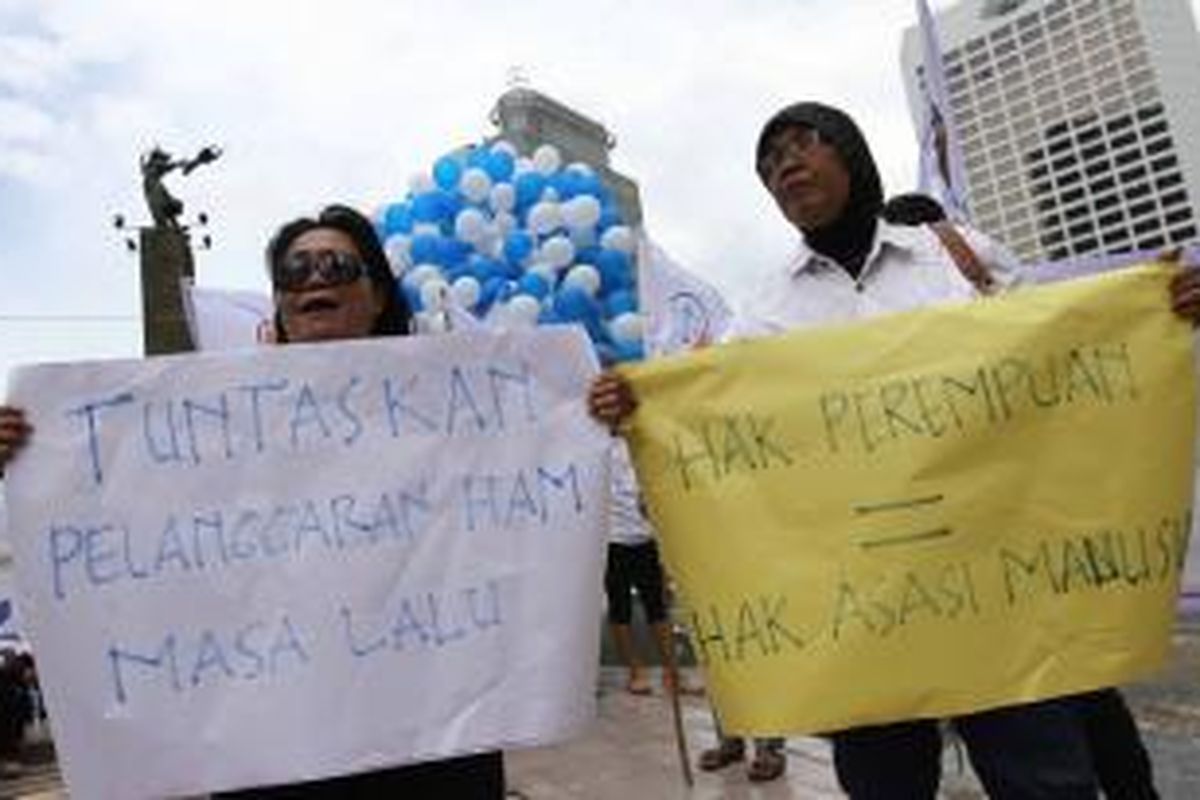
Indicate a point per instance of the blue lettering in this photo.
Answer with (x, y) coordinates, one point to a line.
(90, 413)
(307, 411)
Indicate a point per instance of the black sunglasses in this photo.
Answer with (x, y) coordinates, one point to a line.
(333, 268)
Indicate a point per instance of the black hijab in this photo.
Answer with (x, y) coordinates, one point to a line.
(848, 239)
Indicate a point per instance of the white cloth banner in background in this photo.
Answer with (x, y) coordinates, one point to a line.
(294, 562)
(682, 311)
(942, 173)
(221, 319)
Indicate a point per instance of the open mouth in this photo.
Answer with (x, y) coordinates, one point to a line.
(317, 305)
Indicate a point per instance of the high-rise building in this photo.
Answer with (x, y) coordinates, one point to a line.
(1079, 120)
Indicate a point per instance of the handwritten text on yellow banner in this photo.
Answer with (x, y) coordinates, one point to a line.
(931, 513)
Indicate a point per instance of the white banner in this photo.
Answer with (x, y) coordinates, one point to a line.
(294, 562)
(682, 311)
(220, 319)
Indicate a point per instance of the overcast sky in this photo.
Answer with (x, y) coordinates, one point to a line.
(315, 102)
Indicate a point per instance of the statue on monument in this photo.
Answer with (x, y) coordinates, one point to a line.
(165, 208)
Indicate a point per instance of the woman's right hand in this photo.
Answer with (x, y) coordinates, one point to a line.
(611, 399)
(14, 433)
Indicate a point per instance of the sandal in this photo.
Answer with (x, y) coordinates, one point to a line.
(767, 765)
(724, 754)
(638, 686)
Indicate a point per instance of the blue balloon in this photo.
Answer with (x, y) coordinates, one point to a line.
(410, 294)
(609, 216)
(478, 157)
(507, 290)
(447, 172)
(491, 291)
(452, 252)
(615, 271)
(499, 166)
(588, 255)
(548, 316)
(629, 351)
(428, 207)
(482, 268)
(590, 184)
(620, 301)
(452, 203)
(425, 248)
(529, 188)
(397, 219)
(533, 285)
(561, 183)
(518, 245)
(574, 304)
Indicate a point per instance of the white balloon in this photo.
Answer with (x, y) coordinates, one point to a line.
(398, 250)
(544, 217)
(421, 182)
(426, 229)
(557, 251)
(505, 146)
(503, 197)
(521, 166)
(619, 237)
(434, 294)
(470, 225)
(422, 274)
(475, 185)
(465, 292)
(626, 328)
(546, 272)
(549, 195)
(505, 223)
(583, 237)
(583, 276)
(581, 168)
(547, 159)
(431, 322)
(581, 212)
(523, 310)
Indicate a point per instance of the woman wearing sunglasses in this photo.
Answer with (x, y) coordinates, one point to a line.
(332, 281)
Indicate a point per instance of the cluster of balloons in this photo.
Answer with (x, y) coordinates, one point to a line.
(516, 241)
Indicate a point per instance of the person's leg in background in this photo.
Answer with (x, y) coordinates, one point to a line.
(899, 761)
(646, 575)
(1036, 751)
(618, 587)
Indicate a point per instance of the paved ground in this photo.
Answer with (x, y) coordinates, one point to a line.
(630, 753)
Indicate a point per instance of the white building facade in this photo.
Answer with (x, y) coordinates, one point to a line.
(1079, 121)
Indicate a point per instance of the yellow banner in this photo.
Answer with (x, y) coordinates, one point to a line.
(931, 513)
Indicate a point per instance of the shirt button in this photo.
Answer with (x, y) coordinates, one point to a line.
(858, 287)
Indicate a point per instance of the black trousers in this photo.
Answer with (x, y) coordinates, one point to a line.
(1121, 761)
(1029, 752)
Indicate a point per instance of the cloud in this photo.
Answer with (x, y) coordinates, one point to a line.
(321, 102)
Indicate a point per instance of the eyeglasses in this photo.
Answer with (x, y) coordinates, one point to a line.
(793, 141)
(332, 267)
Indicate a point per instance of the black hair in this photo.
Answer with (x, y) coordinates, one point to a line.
(396, 318)
(913, 208)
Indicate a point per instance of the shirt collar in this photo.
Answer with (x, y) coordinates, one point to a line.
(903, 238)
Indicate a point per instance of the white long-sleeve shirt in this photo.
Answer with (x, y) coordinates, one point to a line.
(907, 268)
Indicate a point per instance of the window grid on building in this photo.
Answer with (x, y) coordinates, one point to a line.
(1066, 146)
